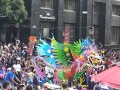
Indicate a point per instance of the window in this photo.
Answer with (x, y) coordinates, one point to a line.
(72, 33)
(96, 33)
(47, 3)
(69, 5)
(2, 32)
(96, 8)
(116, 10)
(46, 32)
(115, 36)
(69, 33)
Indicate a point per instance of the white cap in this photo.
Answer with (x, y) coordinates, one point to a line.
(9, 69)
(18, 58)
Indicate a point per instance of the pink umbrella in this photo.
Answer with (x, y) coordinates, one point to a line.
(1, 76)
(110, 77)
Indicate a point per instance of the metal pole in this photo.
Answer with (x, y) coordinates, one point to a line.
(92, 14)
(92, 36)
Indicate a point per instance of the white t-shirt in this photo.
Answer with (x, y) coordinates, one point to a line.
(118, 63)
(17, 67)
(49, 71)
(113, 61)
(103, 86)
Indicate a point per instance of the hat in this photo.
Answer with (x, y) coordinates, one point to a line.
(47, 85)
(71, 89)
(54, 87)
(97, 88)
(83, 89)
(18, 58)
(9, 69)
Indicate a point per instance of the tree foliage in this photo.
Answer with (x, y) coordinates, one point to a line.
(13, 9)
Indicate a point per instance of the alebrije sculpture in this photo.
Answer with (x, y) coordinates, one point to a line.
(69, 60)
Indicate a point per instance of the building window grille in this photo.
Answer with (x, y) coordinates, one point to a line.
(96, 8)
(115, 36)
(116, 10)
(96, 33)
(47, 4)
(69, 5)
(46, 32)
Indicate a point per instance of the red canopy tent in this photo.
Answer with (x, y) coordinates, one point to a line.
(110, 77)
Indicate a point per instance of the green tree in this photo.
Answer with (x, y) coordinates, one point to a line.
(14, 10)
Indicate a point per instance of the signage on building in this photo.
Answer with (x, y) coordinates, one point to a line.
(34, 26)
(46, 17)
(67, 33)
(91, 30)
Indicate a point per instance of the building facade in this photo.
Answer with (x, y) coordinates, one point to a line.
(9, 32)
(106, 21)
(25, 27)
(3, 21)
(70, 20)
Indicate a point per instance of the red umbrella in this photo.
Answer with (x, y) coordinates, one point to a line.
(110, 77)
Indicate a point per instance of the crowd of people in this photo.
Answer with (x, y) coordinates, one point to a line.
(17, 70)
(15, 64)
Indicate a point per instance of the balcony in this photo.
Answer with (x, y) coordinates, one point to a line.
(115, 20)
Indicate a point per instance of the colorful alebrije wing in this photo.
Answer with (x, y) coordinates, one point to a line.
(86, 43)
(51, 60)
(76, 48)
(61, 52)
(44, 49)
(79, 74)
(93, 46)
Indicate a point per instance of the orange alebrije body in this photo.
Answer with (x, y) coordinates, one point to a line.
(32, 38)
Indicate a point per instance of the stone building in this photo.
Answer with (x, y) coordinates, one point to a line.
(70, 20)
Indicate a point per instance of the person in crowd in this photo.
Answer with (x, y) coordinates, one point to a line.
(6, 85)
(1, 87)
(97, 88)
(35, 81)
(17, 41)
(30, 77)
(47, 87)
(17, 67)
(64, 86)
(16, 56)
(20, 87)
(29, 87)
(100, 45)
(78, 87)
(1, 74)
(50, 74)
(11, 77)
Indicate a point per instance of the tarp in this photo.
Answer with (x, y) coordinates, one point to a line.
(110, 77)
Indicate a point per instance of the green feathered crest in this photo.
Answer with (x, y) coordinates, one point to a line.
(61, 52)
(76, 47)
